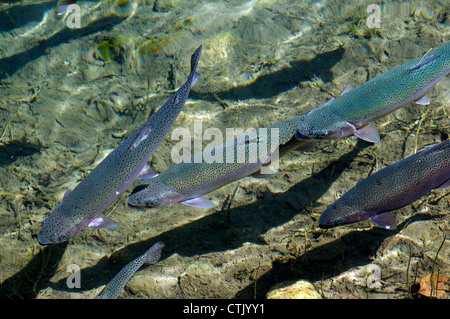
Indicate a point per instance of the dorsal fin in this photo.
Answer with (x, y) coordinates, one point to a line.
(424, 62)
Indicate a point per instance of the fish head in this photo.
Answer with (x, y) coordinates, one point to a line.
(153, 194)
(342, 213)
(57, 228)
(320, 124)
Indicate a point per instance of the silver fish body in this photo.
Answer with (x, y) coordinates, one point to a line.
(188, 182)
(115, 286)
(82, 207)
(352, 112)
(393, 187)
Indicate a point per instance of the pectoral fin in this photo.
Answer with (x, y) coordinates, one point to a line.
(66, 194)
(347, 89)
(102, 222)
(424, 100)
(368, 133)
(147, 172)
(200, 202)
(141, 136)
(385, 220)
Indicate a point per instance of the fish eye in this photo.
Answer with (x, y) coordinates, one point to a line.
(151, 203)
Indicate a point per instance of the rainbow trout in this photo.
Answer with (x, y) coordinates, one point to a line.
(187, 182)
(116, 285)
(82, 207)
(351, 112)
(394, 186)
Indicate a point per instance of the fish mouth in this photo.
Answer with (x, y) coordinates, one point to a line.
(326, 226)
(137, 189)
(326, 223)
(331, 225)
(135, 206)
(45, 241)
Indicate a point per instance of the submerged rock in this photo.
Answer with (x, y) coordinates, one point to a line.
(163, 5)
(293, 290)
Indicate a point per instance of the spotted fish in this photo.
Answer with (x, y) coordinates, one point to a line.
(391, 188)
(116, 285)
(187, 182)
(352, 112)
(82, 207)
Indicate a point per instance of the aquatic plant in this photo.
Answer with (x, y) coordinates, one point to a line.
(440, 280)
(354, 27)
(371, 33)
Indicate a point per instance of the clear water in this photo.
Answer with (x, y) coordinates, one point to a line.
(69, 95)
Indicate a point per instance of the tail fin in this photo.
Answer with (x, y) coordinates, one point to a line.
(195, 57)
(154, 253)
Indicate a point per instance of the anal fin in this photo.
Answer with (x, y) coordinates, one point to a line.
(200, 202)
(385, 220)
(368, 133)
(102, 221)
(147, 172)
(424, 100)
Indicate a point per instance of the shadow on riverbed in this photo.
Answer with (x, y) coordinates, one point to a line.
(272, 84)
